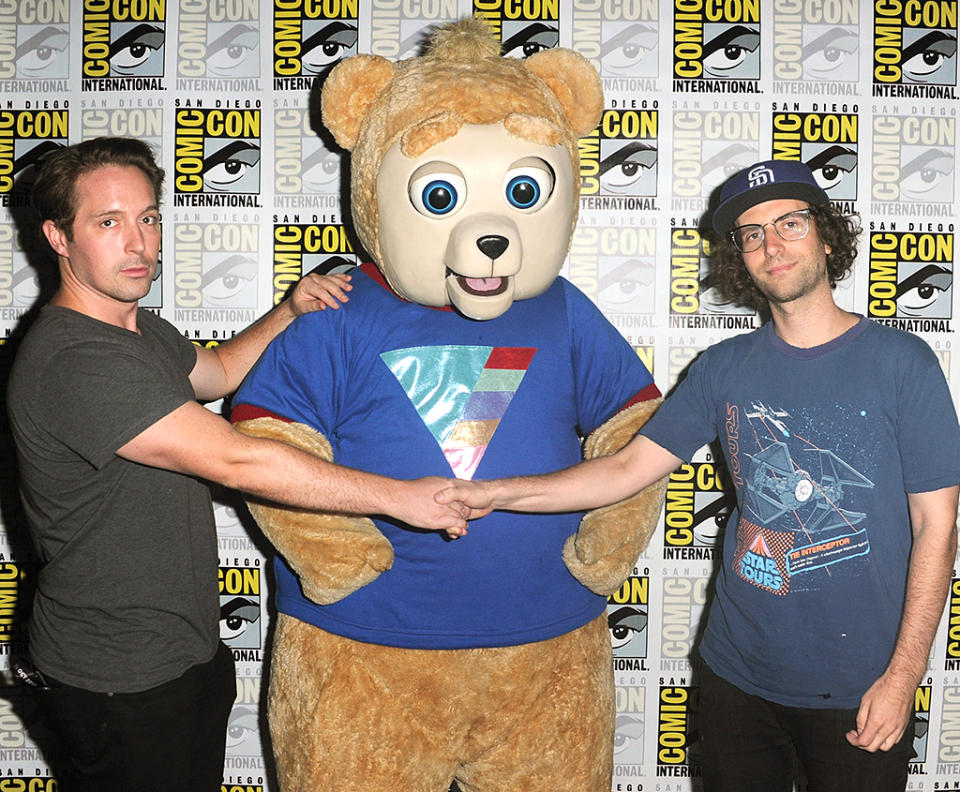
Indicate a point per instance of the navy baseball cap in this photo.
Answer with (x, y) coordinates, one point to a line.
(765, 181)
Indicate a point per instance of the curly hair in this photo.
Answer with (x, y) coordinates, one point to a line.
(729, 275)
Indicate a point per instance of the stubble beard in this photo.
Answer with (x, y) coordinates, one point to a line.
(810, 281)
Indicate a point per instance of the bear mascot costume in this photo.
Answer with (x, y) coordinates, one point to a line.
(404, 660)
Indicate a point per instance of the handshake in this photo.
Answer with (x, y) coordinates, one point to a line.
(438, 504)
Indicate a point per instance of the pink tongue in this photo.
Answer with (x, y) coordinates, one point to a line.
(483, 284)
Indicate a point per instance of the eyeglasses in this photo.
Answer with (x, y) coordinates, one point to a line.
(789, 227)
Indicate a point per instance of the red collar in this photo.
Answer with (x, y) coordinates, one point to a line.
(371, 271)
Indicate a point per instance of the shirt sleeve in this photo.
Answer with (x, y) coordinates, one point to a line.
(687, 419)
(928, 435)
(608, 371)
(296, 377)
(99, 397)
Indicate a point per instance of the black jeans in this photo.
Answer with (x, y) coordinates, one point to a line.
(749, 743)
(172, 736)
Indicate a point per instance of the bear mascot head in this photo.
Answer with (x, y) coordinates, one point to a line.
(489, 229)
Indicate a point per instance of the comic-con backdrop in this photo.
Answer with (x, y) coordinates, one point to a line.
(863, 92)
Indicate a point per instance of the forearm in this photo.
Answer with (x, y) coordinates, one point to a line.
(588, 485)
(236, 356)
(275, 471)
(194, 441)
(928, 582)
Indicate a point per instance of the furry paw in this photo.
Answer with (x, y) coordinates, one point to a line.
(332, 554)
(603, 551)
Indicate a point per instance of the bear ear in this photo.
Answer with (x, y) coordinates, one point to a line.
(574, 82)
(348, 93)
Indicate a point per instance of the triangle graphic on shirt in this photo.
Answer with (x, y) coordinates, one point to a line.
(759, 546)
(460, 393)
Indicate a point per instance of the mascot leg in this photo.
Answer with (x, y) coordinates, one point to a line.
(336, 724)
(347, 716)
(564, 741)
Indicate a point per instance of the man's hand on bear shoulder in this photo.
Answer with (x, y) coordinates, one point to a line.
(315, 292)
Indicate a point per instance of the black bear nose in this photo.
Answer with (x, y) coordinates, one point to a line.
(492, 245)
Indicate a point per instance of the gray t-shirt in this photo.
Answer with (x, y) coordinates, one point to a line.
(127, 596)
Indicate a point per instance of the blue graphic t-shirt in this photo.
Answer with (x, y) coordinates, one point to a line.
(822, 444)
(408, 391)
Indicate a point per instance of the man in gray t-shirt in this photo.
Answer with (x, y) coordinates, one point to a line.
(113, 449)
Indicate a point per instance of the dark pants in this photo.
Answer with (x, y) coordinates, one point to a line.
(170, 737)
(750, 743)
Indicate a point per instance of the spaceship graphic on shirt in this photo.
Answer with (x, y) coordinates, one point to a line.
(809, 486)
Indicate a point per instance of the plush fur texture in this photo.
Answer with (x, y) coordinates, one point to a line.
(349, 716)
(602, 553)
(332, 554)
(368, 103)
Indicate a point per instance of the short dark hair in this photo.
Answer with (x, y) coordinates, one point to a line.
(54, 191)
(729, 275)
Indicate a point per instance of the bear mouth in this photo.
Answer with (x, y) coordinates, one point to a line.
(481, 287)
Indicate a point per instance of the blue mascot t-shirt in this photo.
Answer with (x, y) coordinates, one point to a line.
(407, 391)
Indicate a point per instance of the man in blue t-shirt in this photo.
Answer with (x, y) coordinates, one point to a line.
(842, 442)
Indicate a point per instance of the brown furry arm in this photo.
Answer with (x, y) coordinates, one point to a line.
(605, 548)
(332, 554)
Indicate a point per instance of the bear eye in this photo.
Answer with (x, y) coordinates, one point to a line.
(529, 186)
(436, 193)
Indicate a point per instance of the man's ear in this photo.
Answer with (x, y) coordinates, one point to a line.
(55, 236)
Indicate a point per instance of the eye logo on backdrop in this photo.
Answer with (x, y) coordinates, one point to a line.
(699, 500)
(915, 49)
(709, 146)
(618, 161)
(217, 155)
(621, 40)
(123, 45)
(627, 617)
(694, 301)
(218, 46)
(215, 277)
(243, 730)
(828, 144)
(306, 173)
(27, 138)
(240, 622)
(630, 702)
(716, 46)
(34, 46)
(816, 47)
(911, 280)
(299, 249)
(913, 161)
(310, 37)
(615, 265)
(523, 28)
